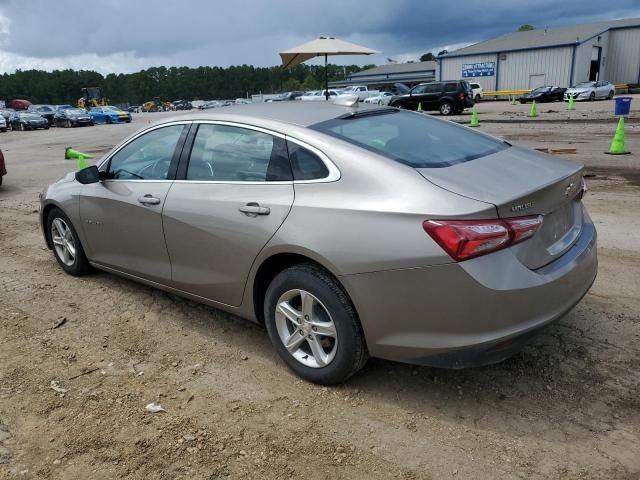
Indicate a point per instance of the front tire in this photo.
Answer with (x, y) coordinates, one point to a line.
(592, 97)
(313, 325)
(65, 244)
(446, 108)
(610, 96)
(477, 99)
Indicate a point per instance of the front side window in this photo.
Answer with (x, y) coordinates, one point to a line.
(419, 89)
(419, 141)
(148, 157)
(224, 153)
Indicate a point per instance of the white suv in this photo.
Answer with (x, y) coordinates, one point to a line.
(477, 92)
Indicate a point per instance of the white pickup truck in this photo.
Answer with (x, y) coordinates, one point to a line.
(361, 91)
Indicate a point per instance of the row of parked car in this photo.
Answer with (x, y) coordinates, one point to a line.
(450, 97)
(45, 116)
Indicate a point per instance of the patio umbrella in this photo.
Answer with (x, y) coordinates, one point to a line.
(319, 47)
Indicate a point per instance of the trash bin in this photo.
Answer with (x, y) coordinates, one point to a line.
(623, 105)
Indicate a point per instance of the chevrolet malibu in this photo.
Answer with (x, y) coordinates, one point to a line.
(349, 231)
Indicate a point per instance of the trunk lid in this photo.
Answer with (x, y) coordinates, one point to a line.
(522, 182)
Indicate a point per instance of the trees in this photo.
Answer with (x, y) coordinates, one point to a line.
(526, 27)
(443, 52)
(201, 83)
(427, 57)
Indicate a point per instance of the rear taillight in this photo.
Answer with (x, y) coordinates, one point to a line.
(464, 239)
(583, 188)
(461, 95)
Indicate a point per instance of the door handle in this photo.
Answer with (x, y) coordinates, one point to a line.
(253, 209)
(149, 200)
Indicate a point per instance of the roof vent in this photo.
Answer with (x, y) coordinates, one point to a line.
(347, 100)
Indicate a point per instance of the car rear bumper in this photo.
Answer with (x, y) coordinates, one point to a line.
(472, 313)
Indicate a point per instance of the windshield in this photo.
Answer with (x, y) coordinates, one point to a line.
(586, 84)
(414, 139)
(114, 109)
(541, 89)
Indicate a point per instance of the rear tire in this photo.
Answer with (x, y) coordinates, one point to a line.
(22, 127)
(63, 237)
(332, 312)
(446, 108)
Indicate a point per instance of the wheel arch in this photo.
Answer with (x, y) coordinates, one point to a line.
(274, 263)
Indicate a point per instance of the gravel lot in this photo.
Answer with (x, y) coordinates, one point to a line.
(72, 398)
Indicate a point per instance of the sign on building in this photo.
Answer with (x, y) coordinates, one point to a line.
(484, 69)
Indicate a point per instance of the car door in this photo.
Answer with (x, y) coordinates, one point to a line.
(232, 193)
(416, 96)
(602, 89)
(122, 215)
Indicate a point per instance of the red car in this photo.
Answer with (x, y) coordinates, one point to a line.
(18, 104)
(3, 169)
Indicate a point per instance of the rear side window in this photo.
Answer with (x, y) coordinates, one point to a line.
(305, 164)
(450, 87)
(417, 140)
(223, 153)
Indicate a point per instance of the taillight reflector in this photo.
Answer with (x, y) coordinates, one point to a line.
(465, 239)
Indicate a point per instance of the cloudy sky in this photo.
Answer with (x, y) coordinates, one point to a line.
(128, 35)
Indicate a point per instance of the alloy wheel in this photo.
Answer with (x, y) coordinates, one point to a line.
(446, 108)
(306, 328)
(63, 243)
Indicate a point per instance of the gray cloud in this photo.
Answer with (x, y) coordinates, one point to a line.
(126, 34)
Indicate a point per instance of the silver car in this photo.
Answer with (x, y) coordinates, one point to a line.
(591, 91)
(349, 231)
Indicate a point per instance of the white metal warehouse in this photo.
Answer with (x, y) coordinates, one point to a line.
(559, 56)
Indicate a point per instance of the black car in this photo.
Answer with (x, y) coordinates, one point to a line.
(72, 117)
(28, 121)
(547, 93)
(47, 111)
(182, 105)
(450, 97)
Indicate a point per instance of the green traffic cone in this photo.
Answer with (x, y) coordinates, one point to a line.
(419, 106)
(617, 144)
(474, 118)
(571, 103)
(534, 110)
(81, 157)
(513, 100)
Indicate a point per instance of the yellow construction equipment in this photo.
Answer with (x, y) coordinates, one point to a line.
(156, 105)
(92, 97)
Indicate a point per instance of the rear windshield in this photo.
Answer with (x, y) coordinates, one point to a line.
(414, 139)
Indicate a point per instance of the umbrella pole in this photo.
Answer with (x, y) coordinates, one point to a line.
(326, 79)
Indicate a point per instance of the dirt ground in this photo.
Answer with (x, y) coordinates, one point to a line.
(72, 398)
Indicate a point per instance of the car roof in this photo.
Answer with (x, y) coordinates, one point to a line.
(297, 113)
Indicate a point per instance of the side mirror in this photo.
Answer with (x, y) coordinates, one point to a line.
(88, 175)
